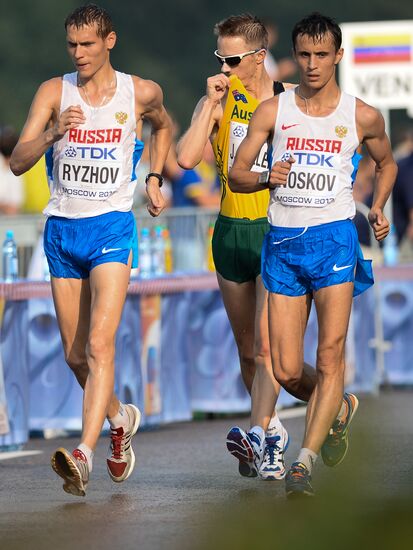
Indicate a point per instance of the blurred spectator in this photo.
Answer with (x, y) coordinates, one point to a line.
(403, 201)
(36, 188)
(404, 143)
(197, 187)
(11, 186)
(284, 68)
(140, 197)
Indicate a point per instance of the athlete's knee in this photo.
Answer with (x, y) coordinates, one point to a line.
(77, 361)
(289, 378)
(330, 358)
(262, 355)
(99, 348)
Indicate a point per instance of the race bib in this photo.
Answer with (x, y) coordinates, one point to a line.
(90, 172)
(237, 132)
(312, 181)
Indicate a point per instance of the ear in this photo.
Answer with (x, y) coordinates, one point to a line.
(339, 56)
(261, 56)
(111, 40)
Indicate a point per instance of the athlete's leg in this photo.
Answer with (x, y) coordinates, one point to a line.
(108, 287)
(265, 389)
(333, 304)
(72, 304)
(288, 316)
(240, 302)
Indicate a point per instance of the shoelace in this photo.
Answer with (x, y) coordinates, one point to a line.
(298, 473)
(272, 448)
(117, 445)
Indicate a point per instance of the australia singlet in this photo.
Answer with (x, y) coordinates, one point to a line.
(320, 184)
(238, 111)
(91, 170)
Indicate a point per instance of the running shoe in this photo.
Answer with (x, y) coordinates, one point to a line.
(298, 481)
(273, 467)
(335, 446)
(73, 468)
(120, 459)
(247, 448)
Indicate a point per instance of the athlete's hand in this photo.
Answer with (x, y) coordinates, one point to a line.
(379, 223)
(279, 172)
(156, 202)
(70, 118)
(216, 87)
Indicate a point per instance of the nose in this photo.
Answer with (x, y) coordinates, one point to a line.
(312, 62)
(226, 69)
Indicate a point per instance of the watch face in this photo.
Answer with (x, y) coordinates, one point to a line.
(263, 177)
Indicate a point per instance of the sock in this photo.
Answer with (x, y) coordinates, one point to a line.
(87, 451)
(307, 457)
(274, 426)
(257, 430)
(121, 419)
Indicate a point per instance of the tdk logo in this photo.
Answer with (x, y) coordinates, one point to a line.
(314, 159)
(239, 97)
(91, 153)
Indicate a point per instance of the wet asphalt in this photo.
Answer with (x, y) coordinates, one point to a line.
(186, 493)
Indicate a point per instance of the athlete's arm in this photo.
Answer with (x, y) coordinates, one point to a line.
(260, 128)
(205, 120)
(149, 100)
(370, 124)
(44, 126)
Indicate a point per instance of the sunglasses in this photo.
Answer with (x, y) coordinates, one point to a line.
(233, 60)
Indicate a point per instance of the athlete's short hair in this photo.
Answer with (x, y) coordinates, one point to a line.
(316, 26)
(89, 15)
(246, 26)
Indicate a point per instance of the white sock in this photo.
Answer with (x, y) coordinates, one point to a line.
(121, 419)
(307, 457)
(274, 426)
(257, 430)
(87, 451)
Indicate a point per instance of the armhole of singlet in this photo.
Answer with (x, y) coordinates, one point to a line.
(278, 88)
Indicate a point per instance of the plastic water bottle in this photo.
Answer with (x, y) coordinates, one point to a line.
(169, 263)
(10, 266)
(158, 253)
(145, 260)
(390, 248)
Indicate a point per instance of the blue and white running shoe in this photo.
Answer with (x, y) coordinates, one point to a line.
(247, 448)
(272, 466)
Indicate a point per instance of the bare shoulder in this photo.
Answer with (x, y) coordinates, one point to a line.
(51, 90)
(147, 92)
(369, 119)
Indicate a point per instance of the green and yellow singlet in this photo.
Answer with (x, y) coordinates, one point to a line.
(238, 111)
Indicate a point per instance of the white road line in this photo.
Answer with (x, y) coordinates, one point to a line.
(293, 412)
(18, 454)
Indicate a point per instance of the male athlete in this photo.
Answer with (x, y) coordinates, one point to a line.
(311, 250)
(90, 121)
(222, 116)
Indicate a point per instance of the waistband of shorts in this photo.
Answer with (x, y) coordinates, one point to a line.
(312, 229)
(91, 219)
(241, 221)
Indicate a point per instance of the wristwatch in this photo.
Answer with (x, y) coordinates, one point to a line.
(155, 175)
(264, 178)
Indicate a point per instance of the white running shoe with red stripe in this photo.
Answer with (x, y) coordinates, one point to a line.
(121, 458)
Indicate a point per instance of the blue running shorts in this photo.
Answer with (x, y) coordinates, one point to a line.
(73, 247)
(298, 261)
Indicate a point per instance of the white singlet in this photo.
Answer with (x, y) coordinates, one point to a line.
(320, 184)
(91, 170)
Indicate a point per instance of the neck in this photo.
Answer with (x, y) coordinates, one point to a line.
(103, 78)
(320, 100)
(260, 86)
